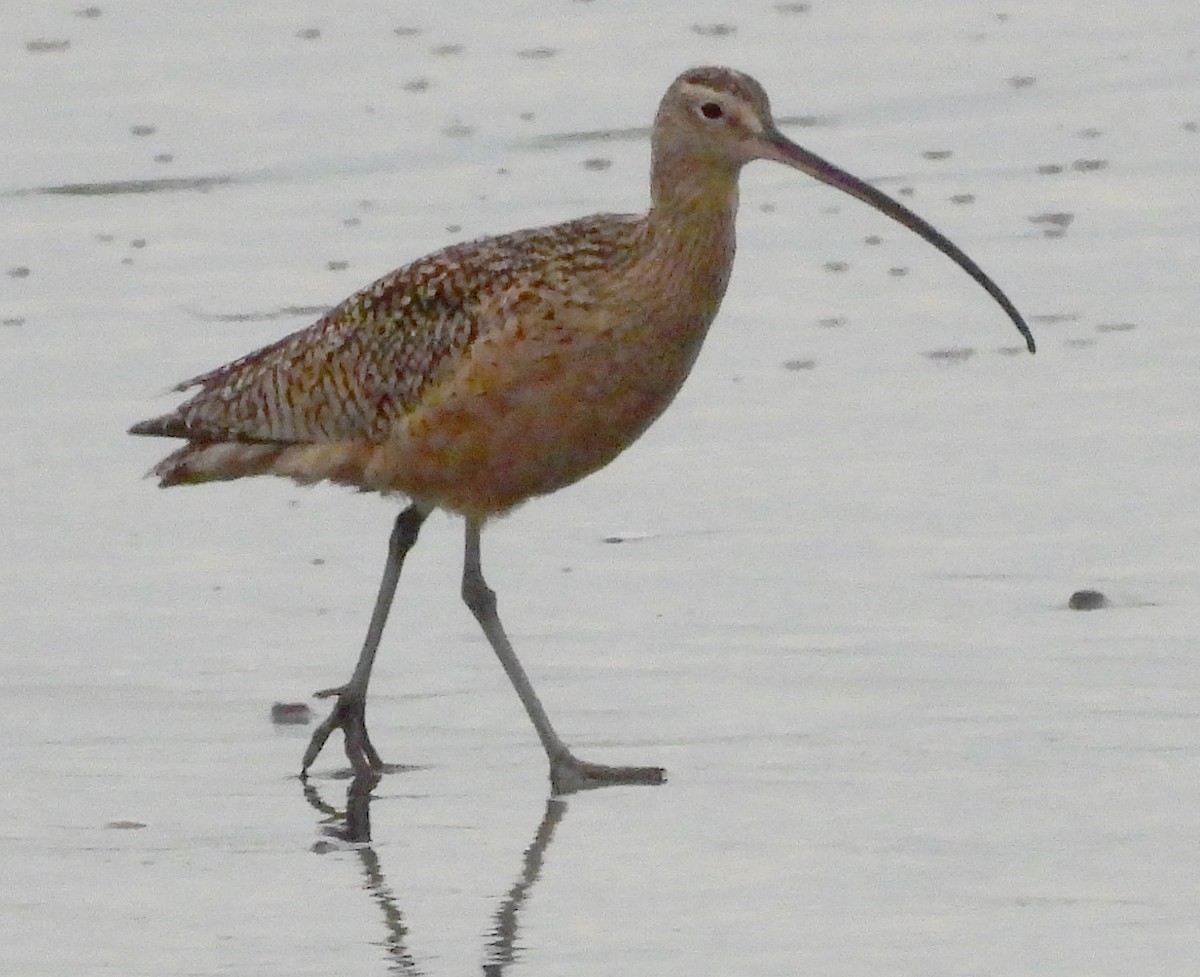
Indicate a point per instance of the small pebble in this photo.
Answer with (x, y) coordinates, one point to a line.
(291, 714)
(41, 45)
(1087, 600)
(952, 355)
(625, 538)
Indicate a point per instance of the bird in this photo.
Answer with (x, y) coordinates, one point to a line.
(498, 370)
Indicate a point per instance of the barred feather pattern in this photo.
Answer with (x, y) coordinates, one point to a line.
(471, 379)
(370, 358)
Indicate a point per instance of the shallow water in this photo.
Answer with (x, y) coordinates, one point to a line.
(828, 591)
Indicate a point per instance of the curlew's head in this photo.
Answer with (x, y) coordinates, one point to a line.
(713, 121)
(716, 117)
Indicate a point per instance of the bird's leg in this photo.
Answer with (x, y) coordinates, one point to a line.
(567, 774)
(349, 712)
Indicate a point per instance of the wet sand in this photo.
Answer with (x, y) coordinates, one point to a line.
(829, 591)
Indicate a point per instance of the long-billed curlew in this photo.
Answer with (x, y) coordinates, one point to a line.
(508, 367)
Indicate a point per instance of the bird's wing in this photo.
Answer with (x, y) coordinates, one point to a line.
(369, 360)
(343, 377)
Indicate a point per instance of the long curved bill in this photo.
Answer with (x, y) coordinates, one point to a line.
(782, 150)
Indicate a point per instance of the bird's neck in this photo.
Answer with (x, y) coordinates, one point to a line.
(690, 226)
(688, 190)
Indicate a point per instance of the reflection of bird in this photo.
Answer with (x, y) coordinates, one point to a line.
(353, 825)
(506, 368)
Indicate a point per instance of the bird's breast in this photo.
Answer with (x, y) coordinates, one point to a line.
(541, 403)
(564, 373)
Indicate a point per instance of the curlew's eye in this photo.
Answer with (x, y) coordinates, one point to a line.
(711, 110)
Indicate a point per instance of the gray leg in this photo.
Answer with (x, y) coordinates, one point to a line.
(567, 774)
(349, 712)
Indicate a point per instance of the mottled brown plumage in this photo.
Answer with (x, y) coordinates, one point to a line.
(508, 367)
(450, 379)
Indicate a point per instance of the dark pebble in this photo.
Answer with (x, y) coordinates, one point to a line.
(1087, 600)
(290, 714)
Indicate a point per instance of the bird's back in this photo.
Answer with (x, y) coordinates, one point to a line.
(373, 357)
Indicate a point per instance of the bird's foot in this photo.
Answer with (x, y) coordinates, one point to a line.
(348, 715)
(568, 775)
